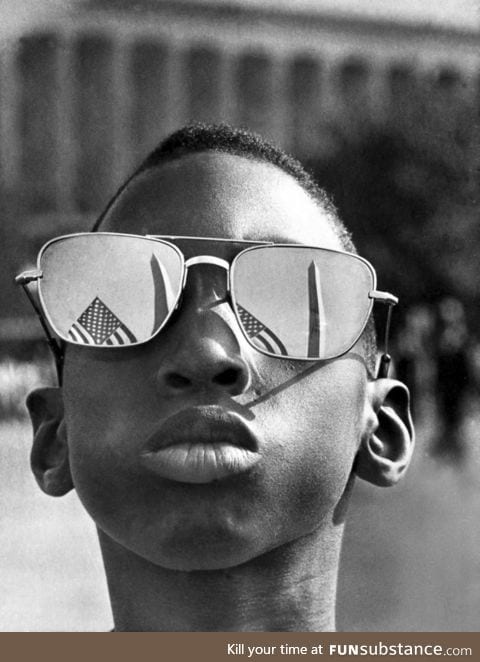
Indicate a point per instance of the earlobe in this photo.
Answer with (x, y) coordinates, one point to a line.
(49, 456)
(387, 444)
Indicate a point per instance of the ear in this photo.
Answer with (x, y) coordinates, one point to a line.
(387, 444)
(49, 457)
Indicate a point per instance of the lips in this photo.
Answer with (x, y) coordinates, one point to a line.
(201, 445)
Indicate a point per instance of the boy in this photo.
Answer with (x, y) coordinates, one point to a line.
(218, 397)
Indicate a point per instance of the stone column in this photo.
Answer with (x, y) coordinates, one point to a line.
(227, 111)
(280, 113)
(122, 106)
(10, 152)
(378, 91)
(67, 145)
(175, 93)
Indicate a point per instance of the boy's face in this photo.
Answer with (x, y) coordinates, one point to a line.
(301, 421)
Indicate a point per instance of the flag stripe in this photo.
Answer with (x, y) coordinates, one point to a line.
(98, 325)
(72, 335)
(256, 329)
(265, 343)
(281, 347)
(80, 335)
(128, 333)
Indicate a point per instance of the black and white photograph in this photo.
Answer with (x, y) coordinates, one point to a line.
(240, 316)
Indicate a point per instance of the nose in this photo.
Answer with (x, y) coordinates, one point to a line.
(203, 366)
(202, 348)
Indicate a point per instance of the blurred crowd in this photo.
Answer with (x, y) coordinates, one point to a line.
(439, 359)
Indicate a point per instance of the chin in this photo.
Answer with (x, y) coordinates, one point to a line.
(204, 550)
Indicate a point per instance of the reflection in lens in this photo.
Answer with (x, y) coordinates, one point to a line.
(261, 335)
(109, 290)
(302, 302)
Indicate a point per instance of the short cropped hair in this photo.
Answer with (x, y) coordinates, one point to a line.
(226, 139)
(238, 142)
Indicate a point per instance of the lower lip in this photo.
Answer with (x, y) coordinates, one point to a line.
(199, 463)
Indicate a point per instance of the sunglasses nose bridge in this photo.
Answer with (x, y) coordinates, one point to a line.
(211, 260)
(207, 259)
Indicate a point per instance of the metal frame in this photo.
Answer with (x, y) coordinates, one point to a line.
(57, 347)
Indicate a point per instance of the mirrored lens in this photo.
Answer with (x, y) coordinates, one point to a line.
(109, 290)
(302, 302)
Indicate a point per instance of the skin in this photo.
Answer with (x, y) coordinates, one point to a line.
(262, 547)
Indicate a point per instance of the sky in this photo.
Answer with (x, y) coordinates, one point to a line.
(460, 13)
(16, 14)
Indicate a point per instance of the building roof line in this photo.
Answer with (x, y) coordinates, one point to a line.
(229, 10)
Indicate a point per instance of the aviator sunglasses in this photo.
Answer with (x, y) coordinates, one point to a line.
(290, 301)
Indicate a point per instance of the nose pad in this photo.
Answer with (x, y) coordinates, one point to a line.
(207, 365)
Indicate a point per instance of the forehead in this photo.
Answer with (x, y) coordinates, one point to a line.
(221, 195)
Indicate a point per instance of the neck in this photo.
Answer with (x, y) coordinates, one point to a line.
(291, 588)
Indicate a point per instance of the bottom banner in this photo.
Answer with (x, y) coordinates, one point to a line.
(237, 647)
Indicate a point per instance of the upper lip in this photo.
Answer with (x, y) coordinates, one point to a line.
(203, 425)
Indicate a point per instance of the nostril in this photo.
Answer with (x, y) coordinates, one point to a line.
(227, 377)
(176, 381)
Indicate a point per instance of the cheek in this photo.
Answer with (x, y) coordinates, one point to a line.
(109, 397)
(107, 413)
(309, 424)
(315, 427)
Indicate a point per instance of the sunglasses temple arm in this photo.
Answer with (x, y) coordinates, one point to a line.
(55, 347)
(385, 359)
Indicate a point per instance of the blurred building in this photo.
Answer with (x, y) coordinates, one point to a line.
(87, 92)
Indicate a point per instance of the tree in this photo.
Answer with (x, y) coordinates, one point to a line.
(408, 188)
